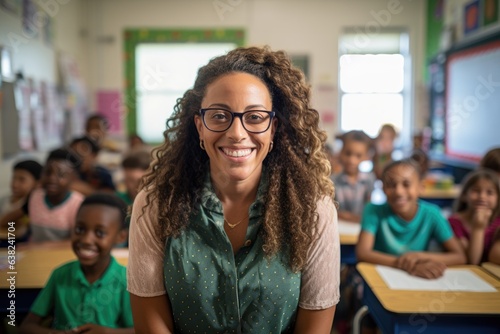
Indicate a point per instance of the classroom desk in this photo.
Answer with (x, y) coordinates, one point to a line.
(441, 197)
(492, 268)
(407, 311)
(349, 233)
(34, 264)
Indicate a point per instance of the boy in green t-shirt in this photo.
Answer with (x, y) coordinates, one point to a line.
(88, 295)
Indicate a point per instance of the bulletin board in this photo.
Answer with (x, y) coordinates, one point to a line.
(473, 99)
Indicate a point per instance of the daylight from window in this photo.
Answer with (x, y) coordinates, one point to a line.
(163, 73)
(372, 87)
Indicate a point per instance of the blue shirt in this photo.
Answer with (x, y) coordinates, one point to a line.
(396, 236)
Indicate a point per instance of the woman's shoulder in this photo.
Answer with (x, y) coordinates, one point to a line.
(325, 205)
(145, 198)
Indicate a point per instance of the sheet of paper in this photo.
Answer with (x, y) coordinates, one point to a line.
(348, 228)
(452, 280)
(119, 252)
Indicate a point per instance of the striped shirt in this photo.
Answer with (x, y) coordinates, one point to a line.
(352, 197)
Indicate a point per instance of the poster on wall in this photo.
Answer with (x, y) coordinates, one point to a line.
(490, 12)
(109, 105)
(29, 17)
(471, 17)
(74, 97)
(23, 97)
(52, 115)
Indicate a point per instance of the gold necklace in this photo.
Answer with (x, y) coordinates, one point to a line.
(235, 224)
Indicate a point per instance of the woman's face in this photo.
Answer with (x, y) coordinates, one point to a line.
(235, 154)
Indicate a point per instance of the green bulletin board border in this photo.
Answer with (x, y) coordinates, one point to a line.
(133, 37)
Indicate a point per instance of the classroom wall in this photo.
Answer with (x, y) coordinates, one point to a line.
(91, 31)
(37, 59)
(299, 27)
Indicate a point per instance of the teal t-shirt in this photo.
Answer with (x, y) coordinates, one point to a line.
(213, 291)
(73, 301)
(396, 236)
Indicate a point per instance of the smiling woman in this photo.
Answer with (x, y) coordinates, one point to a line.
(235, 228)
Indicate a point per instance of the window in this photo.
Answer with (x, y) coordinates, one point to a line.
(163, 73)
(160, 65)
(374, 82)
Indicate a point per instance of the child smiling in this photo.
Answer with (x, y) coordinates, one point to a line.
(88, 295)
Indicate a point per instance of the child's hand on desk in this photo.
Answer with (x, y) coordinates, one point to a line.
(428, 269)
(408, 260)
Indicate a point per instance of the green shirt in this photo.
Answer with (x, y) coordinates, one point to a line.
(213, 291)
(396, 236)
(73, 301)
(125, 197)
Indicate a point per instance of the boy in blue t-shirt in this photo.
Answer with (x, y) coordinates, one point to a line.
(397, 233)
(88, 295)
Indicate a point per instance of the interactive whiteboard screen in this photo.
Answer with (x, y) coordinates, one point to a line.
(473, 101)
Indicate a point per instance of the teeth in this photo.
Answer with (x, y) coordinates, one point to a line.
(237, 153)
(87, 252)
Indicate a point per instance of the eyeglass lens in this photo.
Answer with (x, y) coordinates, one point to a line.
(221, 120)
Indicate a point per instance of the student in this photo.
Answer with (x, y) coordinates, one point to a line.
(353, 188)
(397, 233)
(384, 145)
(491, 160)
(134, 167)
(25, 178)
(419, 156)
(92, 176)
(52, 208)
(88, 295)
(96, 128)
(135, 142)
(476, 214)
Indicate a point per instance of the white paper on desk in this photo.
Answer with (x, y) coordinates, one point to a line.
(348, 228)
(119, 252)
(452, 280)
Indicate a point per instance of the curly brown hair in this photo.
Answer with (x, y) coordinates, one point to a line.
(298, 167)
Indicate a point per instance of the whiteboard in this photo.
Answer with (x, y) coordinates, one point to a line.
(473, 101)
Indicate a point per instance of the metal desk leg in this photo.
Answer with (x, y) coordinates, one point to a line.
(356, 322)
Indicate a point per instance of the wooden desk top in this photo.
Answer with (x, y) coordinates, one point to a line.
(35, 262)
(492, 268)
(349, 232)
(431, 193)
(450, 302)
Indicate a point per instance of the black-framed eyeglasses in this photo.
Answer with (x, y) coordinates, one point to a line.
(219, 120)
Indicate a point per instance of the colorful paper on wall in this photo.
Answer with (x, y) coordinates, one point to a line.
(109, 105)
